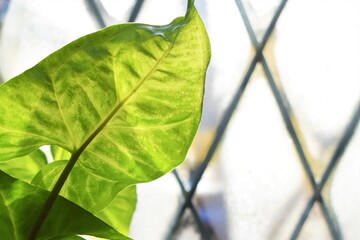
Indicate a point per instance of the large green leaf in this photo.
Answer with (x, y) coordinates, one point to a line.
(125, 102)
(19, 206)
(25, 168)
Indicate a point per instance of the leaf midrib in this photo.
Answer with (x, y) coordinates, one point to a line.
(124, 101)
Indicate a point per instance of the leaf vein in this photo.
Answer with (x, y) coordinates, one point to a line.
(108, 160)
(91, 102)
(166, 125)
(61, 110)
(27, 133)
(120, 147)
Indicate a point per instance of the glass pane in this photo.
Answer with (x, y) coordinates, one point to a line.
(345, 192)
(265, 187)
(161, 11)
(211, 202)
(157, 204)
(315, 226)
(34, 29)
(118, 11)
(230, 57)
(260, 13)
(317, 59)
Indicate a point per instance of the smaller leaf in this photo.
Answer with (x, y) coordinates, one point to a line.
(119, 212)
(91, 185)
(25, 168)
(117, 208)
(59, 153)
(20, 204)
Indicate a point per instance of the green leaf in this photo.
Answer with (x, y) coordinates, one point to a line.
(68, 238)
(125, 101)
(25, 168)
(119, 212)
(59, 153)
(20, 203)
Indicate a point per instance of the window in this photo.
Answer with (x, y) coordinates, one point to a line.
(285, 159)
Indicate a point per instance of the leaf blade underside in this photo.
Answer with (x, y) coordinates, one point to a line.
(125, 101)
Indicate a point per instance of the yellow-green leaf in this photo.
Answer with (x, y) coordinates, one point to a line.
(59, 153)
(125, 102)
(119, 212)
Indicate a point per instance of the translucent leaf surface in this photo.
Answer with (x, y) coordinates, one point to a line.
(119, 212)
(59, 153)
(20, 203)
(25, 168)
(90, 191)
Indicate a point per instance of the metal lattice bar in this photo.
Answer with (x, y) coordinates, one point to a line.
(342, 146)
(334, 160)
(95, 7)
(98, 11)
(226, 118)
(135, 11)
(204, 232)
